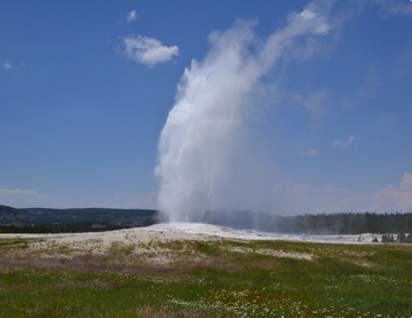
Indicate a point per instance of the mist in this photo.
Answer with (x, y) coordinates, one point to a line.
(202, 139)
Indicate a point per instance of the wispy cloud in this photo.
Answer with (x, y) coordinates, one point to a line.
(9, 192)
(148, 51)
(22, 198)
(126, 200)
(344, 144)
(310, 152)
(26, 198)
(7, 66)
(317, 103)
(396, 7)
(370, 86)
(299, 199)
(131, 16)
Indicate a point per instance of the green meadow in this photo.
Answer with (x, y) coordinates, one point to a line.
(218, 278)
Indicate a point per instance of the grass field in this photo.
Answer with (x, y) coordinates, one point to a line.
(217, 278)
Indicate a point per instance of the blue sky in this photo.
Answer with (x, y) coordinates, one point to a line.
(86, 87)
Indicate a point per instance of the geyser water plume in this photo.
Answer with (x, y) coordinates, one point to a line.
(197, 141)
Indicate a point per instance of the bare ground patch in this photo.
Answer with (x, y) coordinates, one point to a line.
(270, 252)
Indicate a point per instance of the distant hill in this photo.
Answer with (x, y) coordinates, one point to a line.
(12, 216)
(88, 218)
(120, 217)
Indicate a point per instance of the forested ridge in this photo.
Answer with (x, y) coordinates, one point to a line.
(43, 220)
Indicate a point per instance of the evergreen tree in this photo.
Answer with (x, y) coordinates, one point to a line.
(401, 237)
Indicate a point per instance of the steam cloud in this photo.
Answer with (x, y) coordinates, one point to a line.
(214, 95)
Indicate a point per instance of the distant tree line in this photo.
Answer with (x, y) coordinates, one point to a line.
(338, 223)
(345, 223)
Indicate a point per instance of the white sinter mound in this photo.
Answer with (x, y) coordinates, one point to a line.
(213, 230)
(189, 231)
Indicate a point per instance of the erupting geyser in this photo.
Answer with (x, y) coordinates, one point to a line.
(196, 142)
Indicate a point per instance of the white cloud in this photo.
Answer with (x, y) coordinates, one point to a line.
(392, 199)
(310, 152)
(148, 51)
(7, 66)
(131, 16)
(344, 144)
(406, 184)
(395, 198)
(317, 102)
